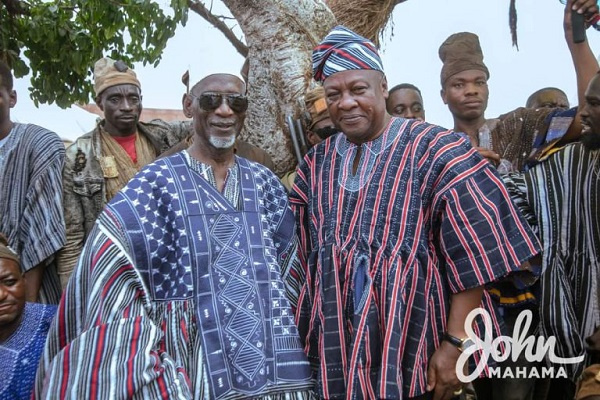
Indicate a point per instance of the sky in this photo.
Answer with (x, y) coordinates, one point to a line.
(409, 52)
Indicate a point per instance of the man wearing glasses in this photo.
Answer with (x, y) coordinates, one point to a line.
(181, 288)
(102, 161)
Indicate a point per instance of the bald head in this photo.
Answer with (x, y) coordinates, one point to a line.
(549, 97)
(216, 79)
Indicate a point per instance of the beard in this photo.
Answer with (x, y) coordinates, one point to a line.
(222, 142)
(591, 141)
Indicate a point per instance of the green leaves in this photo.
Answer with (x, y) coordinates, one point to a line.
(59, 41)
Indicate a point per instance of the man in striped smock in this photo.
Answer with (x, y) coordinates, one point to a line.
(401, 224)
(31, 213)
(180, 290)
(561, 195)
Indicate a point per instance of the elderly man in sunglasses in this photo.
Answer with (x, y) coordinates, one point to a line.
(241, 148)
(181, 288)
(102, 161)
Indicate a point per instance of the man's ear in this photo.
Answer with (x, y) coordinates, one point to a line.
(186, 102)
(12, 98)
(98, 101)
(384, 87)
(443, 95)
(141, 105)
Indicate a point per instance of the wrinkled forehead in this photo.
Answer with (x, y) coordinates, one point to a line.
(9, 268)
(221, 83)
(125, 89)
(550, 95)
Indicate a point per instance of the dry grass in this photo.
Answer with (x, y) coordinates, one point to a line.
(365, 17)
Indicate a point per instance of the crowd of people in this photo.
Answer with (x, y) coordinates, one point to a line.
(165, 260)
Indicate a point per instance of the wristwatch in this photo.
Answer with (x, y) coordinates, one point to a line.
(460, 344)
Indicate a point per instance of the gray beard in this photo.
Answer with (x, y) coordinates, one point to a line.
(222, 142)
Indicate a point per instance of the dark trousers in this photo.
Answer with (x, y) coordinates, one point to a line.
(514, 388)
(561, 389)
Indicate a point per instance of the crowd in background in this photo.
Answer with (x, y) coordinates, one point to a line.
(166, 259)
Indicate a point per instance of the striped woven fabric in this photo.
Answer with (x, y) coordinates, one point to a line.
(383, 249)
(343, 50)
(31, 209)
(563, 193)
(178, 295)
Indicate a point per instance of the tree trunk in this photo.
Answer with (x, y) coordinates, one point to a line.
(280, 35)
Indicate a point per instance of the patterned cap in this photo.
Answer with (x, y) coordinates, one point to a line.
(316, 106)
(108, 73)
(461, 52)
(6, 251)
(343, 50)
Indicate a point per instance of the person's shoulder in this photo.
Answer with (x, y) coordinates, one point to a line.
(428, 138)
(523, 113)
(256, 167)
(36, 134)
(82, 144)
(160, 125)
(570, 150)
(263, 173)
(161, 164)
(48, 310)
(252, 152)
(416, 130)
(42, 312)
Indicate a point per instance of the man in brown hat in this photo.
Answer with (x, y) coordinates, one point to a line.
(507, 141)
(102, 161)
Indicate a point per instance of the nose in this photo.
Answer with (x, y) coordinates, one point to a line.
(126, 104)
(410, 114)
(347, 101)
(584, 111)
(224, 109)
(472, 89)
(3, 292)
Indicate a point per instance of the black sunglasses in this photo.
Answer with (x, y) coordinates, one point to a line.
(211, 101)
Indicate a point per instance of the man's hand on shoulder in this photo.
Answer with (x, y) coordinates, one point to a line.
(491, 155)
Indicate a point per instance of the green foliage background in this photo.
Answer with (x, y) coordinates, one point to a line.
(59, 41)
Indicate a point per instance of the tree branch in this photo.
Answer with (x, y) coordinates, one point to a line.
(200, 9)
(15, 7)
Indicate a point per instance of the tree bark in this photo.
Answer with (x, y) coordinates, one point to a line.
(280, 35)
